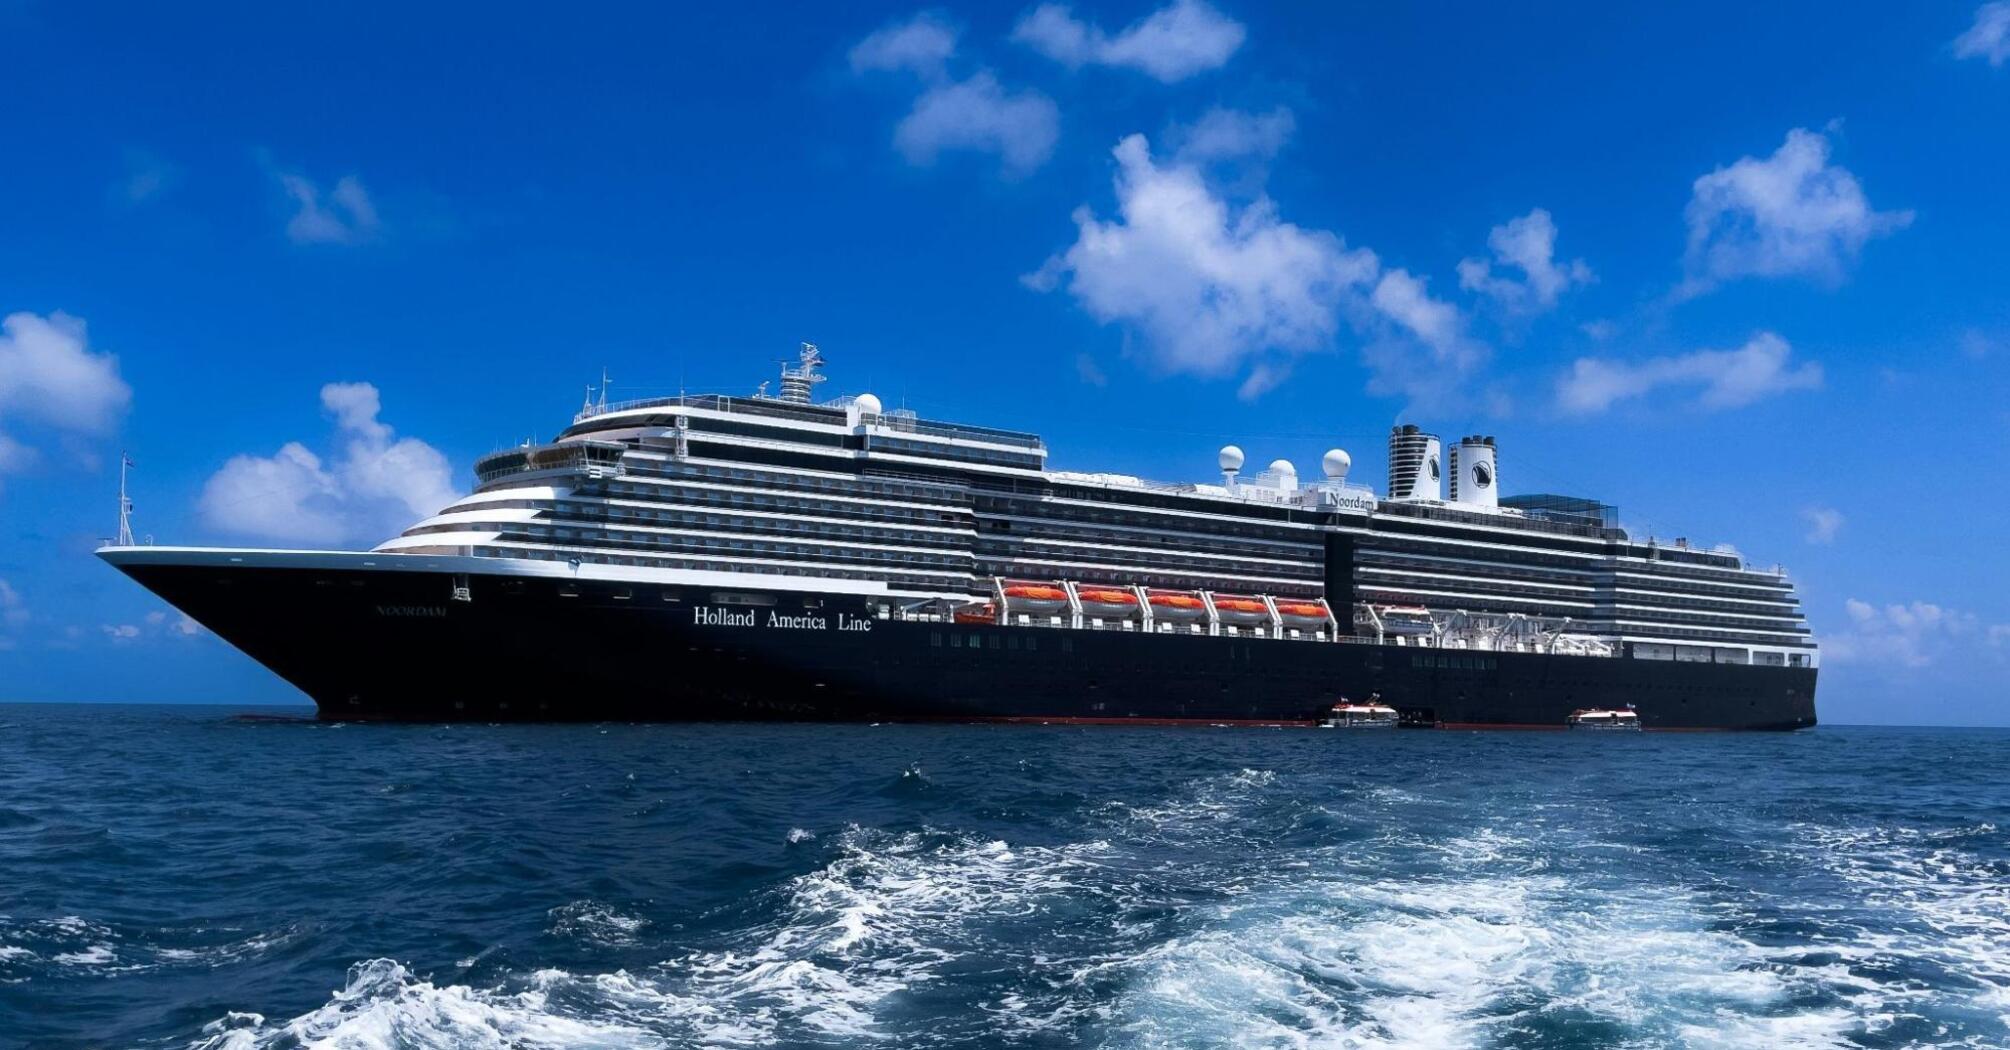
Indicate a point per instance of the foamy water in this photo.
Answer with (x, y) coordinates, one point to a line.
(188, 880)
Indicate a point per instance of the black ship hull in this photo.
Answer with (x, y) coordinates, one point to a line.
(367, 642)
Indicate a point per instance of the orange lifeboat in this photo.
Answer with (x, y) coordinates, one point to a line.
(983, 612)
(1302, 614)
(1241, 610)
(1177, 606)
(1037, 598)
(1107, 602)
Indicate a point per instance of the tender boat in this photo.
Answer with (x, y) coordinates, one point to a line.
(1371, 715)
(1605, 719)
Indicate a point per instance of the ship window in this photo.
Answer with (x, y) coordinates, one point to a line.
(1032, 644)
(994, 641)
(935, 639)
(956, 641)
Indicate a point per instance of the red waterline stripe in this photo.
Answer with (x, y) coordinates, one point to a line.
(1068, 720)
(1072, 720)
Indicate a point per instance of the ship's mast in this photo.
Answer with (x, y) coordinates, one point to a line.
(125, 537)
(798, 382)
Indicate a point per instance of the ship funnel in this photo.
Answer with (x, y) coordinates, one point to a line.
(1475, 472)
(1413, 464)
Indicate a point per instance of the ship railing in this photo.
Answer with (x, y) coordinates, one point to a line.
(888, 421)
(593, 457)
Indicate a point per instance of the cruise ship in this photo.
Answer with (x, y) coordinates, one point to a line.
(775, 556)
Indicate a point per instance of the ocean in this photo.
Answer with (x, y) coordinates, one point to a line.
(190, 877)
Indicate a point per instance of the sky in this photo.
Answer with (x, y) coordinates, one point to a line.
(1738, 269)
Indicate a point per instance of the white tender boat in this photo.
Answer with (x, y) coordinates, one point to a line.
(1598, 718)
(1371, 715)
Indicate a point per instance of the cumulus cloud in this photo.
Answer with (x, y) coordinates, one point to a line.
(1764, 366)
(1212, 286)
(1172, 43)
(1209, 285)
(1791, 214)
(921, 45)
(980, 114)
(1232, 134)
(974, 113)
(1823, 523)
(1913, 634)
(1435, 323)
(1527, 244)
(344, 215)
(1989, 37)
(51, 381)
(373, 484)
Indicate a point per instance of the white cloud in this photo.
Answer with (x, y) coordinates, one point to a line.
(1172, 43)
(345, 216)
(975, 113)
(1231, 134)
(1209, 286)
(1527, 244)
(979, 114)
(147, 177)
(1989, 37)
(1089, 371)
(1263, 378)
(1977, 344)
(13, 610)
(1791, 214)
(1823, 523)
(157, 624)
(1213, 287)
(922, 45)
(1913, 634)
(1435, 323)
(1729, 378)
(375, 484)
(50, 378)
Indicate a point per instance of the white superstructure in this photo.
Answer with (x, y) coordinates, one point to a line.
(761, 488)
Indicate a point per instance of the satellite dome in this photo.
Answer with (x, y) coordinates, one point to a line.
(1231, 458)
(1337, 462)
(868, 404)
(1283, 466)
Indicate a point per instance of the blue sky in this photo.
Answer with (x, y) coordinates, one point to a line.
(1738, 270)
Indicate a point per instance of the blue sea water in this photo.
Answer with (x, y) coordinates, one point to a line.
(176, 877)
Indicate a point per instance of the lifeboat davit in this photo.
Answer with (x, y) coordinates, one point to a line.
(1241, 610)
(1406, 619)
(981, 612)
(1037, 598)
(1107, 602)
(1177, 606)
(1302, 614)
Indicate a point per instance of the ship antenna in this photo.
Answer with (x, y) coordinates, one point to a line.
(603, 388)
(125, 537)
